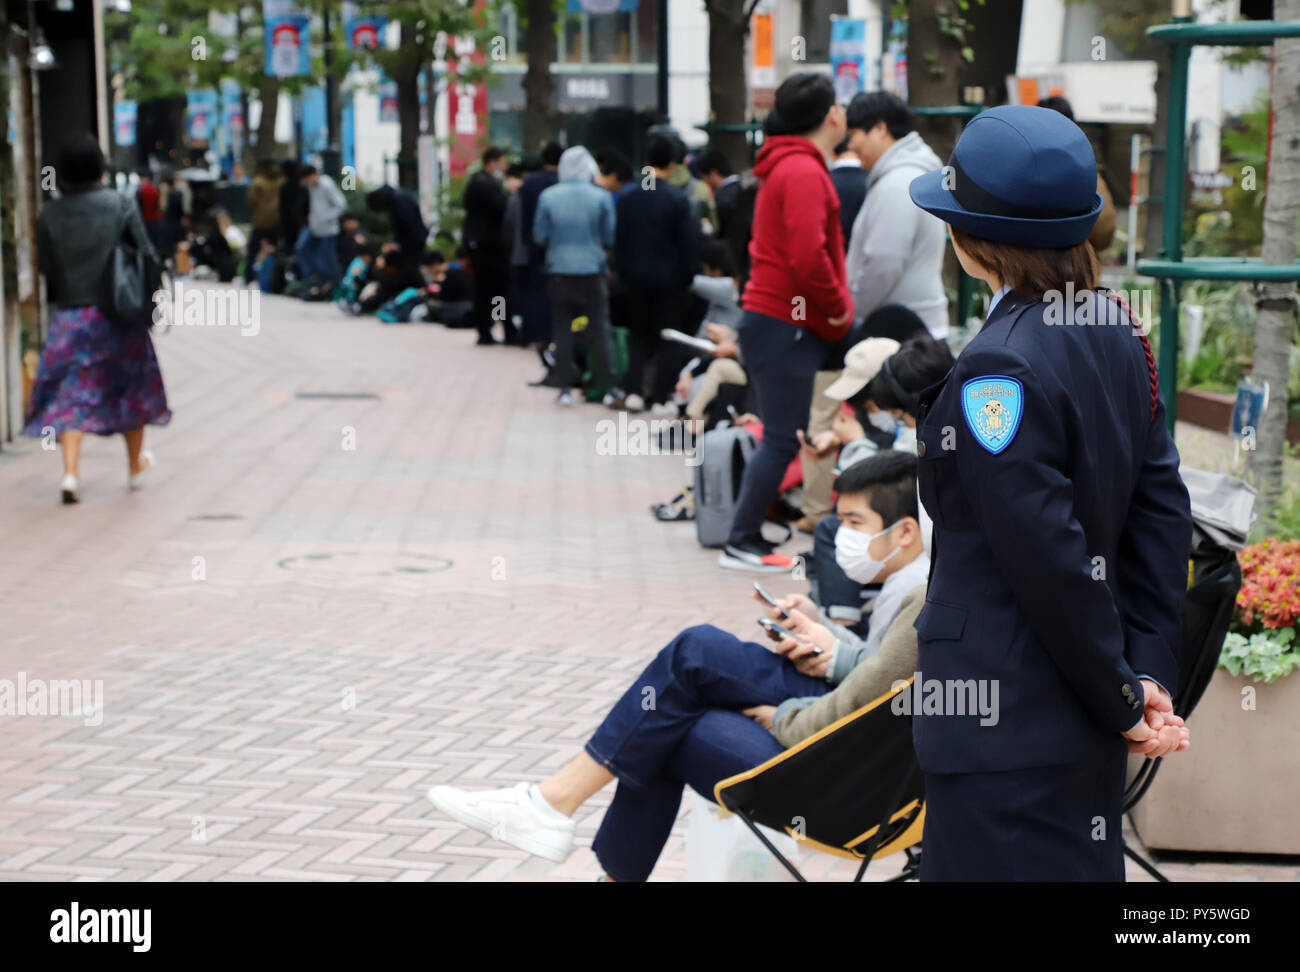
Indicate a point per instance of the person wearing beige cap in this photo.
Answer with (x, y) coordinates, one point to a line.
(891, 321)
(880, 381)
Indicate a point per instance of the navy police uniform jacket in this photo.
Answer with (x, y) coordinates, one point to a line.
(1061, 535)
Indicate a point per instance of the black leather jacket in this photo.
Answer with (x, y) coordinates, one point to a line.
(75, 235)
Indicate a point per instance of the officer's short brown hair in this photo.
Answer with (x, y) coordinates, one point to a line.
(1032, 271)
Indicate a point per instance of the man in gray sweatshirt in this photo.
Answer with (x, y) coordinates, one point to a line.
(318, 254)
(894, 256)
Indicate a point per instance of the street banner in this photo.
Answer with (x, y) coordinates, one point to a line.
(124, 115)
(893, 67)
(200, 114)
(365, 33)
(762, 73)
(602, 6)
(849, 56)
(286, 31)
(231, 130)
(315, 124)
(388, 99)
(467, 105)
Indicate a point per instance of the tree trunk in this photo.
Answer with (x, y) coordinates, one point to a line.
(540, 49)
(1276, 302)
(934, 63)
(407, 76)
(728, 94)
(268, 93)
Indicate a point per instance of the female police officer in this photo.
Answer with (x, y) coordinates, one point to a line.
(1061, 527)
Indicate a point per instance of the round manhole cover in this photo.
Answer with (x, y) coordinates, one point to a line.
(364, 564)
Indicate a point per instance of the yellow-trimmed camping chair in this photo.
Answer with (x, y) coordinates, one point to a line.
(853, 789)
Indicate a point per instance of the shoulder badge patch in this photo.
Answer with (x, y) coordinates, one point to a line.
(993, 406)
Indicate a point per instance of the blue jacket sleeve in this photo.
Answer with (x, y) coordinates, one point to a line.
(542, 222)
(1152, 571)
(1024, 504)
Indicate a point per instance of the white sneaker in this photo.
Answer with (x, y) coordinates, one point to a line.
(71, 489)
(511, 816)
(136, 482)
(663, 410)
(634, 403)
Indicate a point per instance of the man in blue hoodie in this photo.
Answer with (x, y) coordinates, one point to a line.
(575, 223)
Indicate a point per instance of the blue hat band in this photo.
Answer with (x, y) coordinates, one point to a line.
(976, 199)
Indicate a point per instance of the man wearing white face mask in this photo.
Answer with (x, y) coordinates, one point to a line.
(878, 542)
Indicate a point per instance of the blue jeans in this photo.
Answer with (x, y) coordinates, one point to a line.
(781, 361)
(318, 256)
(677, 724)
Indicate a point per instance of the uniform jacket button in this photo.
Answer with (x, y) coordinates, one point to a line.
(920, 448)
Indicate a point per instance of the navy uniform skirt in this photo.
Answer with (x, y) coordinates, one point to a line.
(1048, 823)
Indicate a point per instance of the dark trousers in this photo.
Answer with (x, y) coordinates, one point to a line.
(534, 304)
(679, 723)
(491, 277)
(649, 310)
(573, 296)
(781, 361)
(1048, 823)
(254, 251)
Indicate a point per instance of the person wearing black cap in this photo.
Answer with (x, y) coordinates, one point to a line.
(1061, 527)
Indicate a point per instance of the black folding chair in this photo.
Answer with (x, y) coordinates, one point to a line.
(854, 789)
(1207, 611)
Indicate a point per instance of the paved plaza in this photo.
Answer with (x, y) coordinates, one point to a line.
(369, 559)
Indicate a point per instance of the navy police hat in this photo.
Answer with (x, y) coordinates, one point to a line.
(1018, 174)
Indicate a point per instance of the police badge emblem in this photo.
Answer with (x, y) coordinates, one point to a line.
(992, 406)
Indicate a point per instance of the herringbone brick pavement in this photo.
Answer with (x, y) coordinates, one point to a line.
(296, 638)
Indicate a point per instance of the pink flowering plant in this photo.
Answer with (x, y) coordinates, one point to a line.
(1262, 640)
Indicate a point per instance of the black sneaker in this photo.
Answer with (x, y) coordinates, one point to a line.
(755, 553)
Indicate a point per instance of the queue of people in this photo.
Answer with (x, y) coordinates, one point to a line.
(968, 497)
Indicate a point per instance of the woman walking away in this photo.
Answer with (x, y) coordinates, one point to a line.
(92, 377)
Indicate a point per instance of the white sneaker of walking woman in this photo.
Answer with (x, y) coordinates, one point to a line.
(136, 482)
(517, 815)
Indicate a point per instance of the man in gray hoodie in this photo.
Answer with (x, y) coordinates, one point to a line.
(895, 255)
(318, 254)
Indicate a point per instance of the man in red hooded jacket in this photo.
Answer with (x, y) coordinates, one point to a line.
(797, 304)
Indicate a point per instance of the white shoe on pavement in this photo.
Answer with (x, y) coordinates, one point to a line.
(510, 815)
(634, 403)
(71, 489)
(136, 482)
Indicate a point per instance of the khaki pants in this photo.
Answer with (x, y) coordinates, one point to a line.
(722, 371)
(818, 474)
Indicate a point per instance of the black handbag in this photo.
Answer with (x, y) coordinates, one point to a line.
(131, 279)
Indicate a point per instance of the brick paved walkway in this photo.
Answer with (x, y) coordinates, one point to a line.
(296, 638)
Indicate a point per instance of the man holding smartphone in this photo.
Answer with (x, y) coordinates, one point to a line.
(703, 708)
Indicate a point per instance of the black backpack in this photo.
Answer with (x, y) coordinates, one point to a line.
(131, 278)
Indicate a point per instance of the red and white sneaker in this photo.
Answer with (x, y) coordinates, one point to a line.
(755, 553)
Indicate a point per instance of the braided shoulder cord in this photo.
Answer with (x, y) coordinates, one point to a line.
(1152, 375)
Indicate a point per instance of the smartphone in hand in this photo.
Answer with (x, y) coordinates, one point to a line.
(776, 632)
(758, 589)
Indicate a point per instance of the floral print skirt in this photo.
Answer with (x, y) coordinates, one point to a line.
(94, 378)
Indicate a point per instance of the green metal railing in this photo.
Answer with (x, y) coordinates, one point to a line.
(1170, 268)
